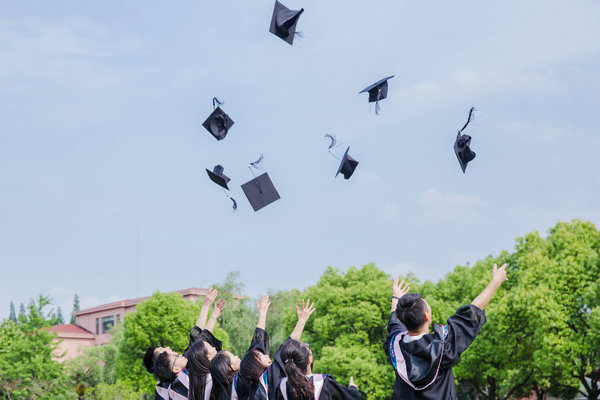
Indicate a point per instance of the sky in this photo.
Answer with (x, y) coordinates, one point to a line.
(103, 189)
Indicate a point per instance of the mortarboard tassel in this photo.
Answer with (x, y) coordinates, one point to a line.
(377, 108)
(234, 203)
(468, 120)
(333, 141)
(218, 102)
(232, 199)
(256, 165)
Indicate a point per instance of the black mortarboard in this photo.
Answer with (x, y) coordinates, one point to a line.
(260, 191)
(283, 22)
(218, 177)
(218, 123)
(462, 146)
(378, 90)
(347, 165)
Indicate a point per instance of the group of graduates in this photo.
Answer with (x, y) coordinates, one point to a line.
(422, 360)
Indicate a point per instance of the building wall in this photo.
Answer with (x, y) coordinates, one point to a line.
(101, 321)
(69, 346)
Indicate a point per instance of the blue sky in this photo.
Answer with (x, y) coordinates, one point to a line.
(101, 113)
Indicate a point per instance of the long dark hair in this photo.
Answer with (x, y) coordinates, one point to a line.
(199, 368)
(222, 376)
(295, 355)
(251, 367)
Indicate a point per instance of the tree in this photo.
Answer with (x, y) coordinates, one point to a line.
(13, 315)
(27, 368)
(21, 312)
(59, 317)
(239, 317)
(75, 307)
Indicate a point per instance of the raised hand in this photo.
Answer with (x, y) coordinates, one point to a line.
(400, 289)
(219, 307)
(499, 274)
(305, 311)
(210, 297)
(352, 384)
(264, 303)
(262, 307)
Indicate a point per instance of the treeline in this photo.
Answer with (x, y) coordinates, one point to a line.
(542, 336)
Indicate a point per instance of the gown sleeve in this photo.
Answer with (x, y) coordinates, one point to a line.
(332, 390)
(394, 327)
(260, 341)
(463, 326)
(197, 334)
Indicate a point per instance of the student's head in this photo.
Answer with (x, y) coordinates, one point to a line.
(254, 364)
(150, 356)
(298, 358)
(199, 356)
(222, 369)
(413, 311)
(168, 364)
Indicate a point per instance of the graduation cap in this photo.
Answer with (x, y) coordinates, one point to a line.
(218, 177)
(347, 165)
(283, 22)
(218, 123)
(462, 145)
(377, 91)
(260, 191)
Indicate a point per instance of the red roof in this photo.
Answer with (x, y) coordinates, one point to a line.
(68, 328)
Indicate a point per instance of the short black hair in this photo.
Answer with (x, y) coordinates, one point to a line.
(410, 310)
(149, 359)
(162, 368)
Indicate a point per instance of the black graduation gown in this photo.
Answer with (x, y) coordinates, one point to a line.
(180, 386)
(162, 391)
(331, 390)
(265, 388)
(428, 361)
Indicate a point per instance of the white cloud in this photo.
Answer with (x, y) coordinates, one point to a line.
(458, 209)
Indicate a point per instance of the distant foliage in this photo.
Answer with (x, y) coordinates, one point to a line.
(27, 370)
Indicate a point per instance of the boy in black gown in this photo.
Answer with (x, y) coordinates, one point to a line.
(422, 360)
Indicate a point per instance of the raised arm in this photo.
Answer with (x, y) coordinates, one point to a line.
(498, 276)
(262, 307)
(217, 312)
(209, 298)
(398, 290)
(304, 313)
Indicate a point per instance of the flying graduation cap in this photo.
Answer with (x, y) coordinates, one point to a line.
(218, 123)
(377, 91)
(347, 163)
(283, 22)
(218, 177)
(260, 191)
(462, 145)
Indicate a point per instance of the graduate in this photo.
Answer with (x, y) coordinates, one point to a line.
(302, 384)
(258, 377)
(422, 360)
(172, 367)
(162, 388)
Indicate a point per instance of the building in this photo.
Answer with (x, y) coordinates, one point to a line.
(92, 325)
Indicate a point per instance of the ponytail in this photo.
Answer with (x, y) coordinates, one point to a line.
(296, 355)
